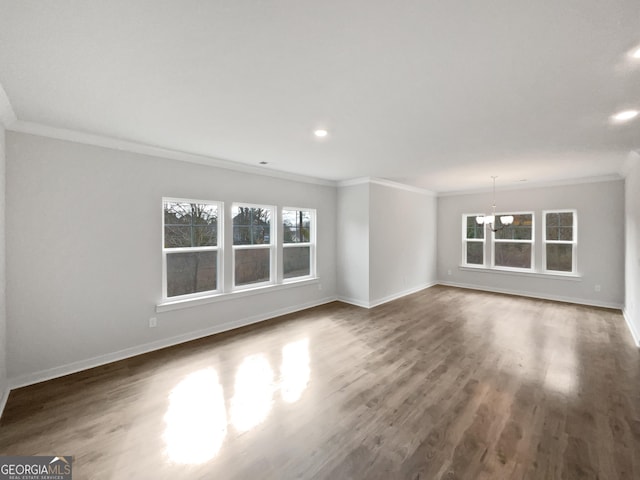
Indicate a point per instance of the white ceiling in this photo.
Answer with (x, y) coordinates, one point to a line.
(436, 94)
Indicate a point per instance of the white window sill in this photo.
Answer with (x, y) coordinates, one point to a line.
(221, 297)
(523, 273)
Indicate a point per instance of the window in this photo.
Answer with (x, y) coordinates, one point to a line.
(473, 241)
(190, 247)
(260, 254)
(298, 244)
(560, 241)
(513, 244)
(253, 245)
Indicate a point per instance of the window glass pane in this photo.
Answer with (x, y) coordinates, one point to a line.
(252, 265)
(520, 229)
(560, 257)
(473, 229)
(251, 226)
(475, 254)
(565, 234)
(297, 261)
(515, 255)
(191, 272)
(566, 219)
(176, 236)
(204, 235)
(296, 226)
(559, 226)
(190, 225)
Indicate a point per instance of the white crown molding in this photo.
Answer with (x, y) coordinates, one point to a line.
(75, 136)
(531, 185)
(353, 181)
(632, 160)
(401, 186)
(7, 115)
(386, 183)
(9, 120)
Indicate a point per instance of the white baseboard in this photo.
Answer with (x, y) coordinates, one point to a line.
(48, 374)
(388, 298)
(542, 296)
(634, 333)
(353, 301)
(401, 294)
(3, 400)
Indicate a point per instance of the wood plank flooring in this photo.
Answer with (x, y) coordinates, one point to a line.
(443, 384)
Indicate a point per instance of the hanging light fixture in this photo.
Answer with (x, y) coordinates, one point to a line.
(490, 220)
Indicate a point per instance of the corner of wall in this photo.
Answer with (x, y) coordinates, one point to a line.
(631, 308)
(630, 324)
(4, 387)
(7, 117)
(352, 245)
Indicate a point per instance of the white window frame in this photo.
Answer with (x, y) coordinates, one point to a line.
(271, 246)
(218, 249)
(573, 243)
(466, 240)
(311, 243)
(532, 242)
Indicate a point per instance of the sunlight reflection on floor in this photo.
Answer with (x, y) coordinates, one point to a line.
(196, 420)
(294, 371)
(562, 374)
(253, 393)
(542, 355)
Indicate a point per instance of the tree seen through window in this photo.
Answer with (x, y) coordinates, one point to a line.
(191, 231)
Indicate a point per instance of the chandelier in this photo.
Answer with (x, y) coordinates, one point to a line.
(490, 220)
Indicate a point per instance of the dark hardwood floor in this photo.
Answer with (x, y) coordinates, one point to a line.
(446, 383)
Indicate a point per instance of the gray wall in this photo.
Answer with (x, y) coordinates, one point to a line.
(84, 272)
(600, 208)
(84, 267)
(402, 242)
(4, 387)
(632, 245)
(386, 242)
(353, 244)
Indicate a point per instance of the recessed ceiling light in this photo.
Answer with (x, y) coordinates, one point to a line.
(636, 54)
(625, 115)
(320, 133)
